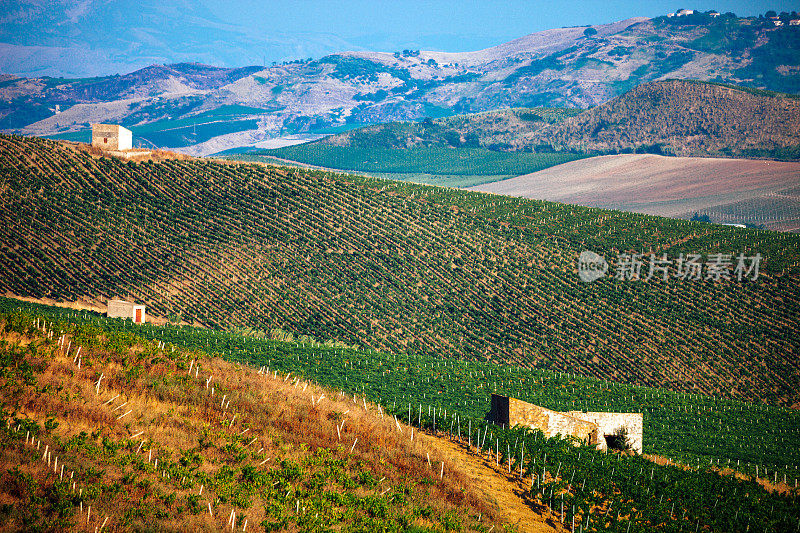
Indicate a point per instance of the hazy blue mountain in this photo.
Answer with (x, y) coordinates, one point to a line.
(98, 37)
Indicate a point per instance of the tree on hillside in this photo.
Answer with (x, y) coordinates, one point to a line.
(588, 32)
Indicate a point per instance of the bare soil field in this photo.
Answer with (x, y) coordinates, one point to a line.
(727, 190)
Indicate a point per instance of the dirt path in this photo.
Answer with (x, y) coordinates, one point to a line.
(499, 487)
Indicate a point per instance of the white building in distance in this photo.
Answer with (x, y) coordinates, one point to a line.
(111, 137)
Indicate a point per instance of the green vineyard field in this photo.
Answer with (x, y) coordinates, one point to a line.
(451, 397)
(399, 268)
(453, 167)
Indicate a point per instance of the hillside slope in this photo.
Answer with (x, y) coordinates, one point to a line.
(674, 117)
(112, 431)
(400, 267)
(511, 470)
(684, 118)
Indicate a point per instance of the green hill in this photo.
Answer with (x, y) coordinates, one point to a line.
(400, 268)
(685, 118)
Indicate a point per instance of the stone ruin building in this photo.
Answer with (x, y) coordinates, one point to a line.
(594, 428)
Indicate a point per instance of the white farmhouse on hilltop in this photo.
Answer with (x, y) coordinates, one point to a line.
(111, 137)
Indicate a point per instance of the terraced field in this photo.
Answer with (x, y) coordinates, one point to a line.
(400, 268)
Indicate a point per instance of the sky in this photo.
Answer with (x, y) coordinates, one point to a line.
(78, 38)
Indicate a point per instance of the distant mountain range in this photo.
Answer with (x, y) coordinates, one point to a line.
(205, 109)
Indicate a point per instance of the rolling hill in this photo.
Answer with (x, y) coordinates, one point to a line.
(561, 67)
(401, 268)
(531, 152)
(275, 430)
(674, 117)
(109, 430)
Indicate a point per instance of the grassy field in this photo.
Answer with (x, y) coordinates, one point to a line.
(444, 397)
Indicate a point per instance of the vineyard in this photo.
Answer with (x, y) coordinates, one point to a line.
(432, 165)
(399, 268)
(778, 210)
(578, 486)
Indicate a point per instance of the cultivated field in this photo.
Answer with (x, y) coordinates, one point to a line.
(107, 430)
(135, 415)
(400, 268)
(727, 190)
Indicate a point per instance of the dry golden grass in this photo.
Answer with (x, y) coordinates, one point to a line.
(240, 419)
(154, 155)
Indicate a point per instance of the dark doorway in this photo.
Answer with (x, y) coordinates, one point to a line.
(615, 442)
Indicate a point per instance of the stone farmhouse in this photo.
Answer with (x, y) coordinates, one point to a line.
(594, 428)
(111, 137)
(115, 140)
(123, 309)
